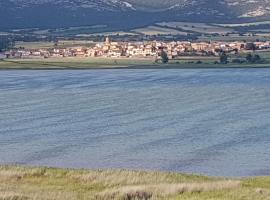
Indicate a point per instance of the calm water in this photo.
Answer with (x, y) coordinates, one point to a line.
(214, 122)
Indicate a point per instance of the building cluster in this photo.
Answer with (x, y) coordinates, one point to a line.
(142, 49)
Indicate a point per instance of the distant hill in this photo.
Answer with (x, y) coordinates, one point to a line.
(126, 13)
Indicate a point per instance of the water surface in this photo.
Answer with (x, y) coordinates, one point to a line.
(210, 121)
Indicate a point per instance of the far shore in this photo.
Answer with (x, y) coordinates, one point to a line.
(118, 63)
(21, 183)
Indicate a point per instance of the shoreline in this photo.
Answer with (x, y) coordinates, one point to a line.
(117, 67)
(99, 64)
(122, 68)
(21, 182)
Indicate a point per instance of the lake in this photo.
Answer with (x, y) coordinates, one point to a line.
(211, 121)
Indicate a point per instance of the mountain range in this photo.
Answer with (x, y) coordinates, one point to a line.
(126, 13)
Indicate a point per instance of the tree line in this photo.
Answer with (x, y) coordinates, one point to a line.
(250, 58)
(223, 58)
(5, 43)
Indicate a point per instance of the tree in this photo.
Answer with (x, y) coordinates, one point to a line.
(253, 58)
(237, 60)
(164, 57)
(256, 58)
(55, 42)
(249, 58)
(5, 43)
(223, 58)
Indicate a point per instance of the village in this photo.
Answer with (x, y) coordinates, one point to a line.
(152, 49)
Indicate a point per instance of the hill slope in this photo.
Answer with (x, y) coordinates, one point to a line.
(56, 13)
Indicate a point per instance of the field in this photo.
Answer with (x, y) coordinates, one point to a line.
(34, 45)
(68, 31)
(130, 63)
(245, 24)
(72, 63)
(236, 37)
(155, 30)
(197, 27)
(223, 32)
(47, 45)
(116, 33)
(162, 28)
(22, 183)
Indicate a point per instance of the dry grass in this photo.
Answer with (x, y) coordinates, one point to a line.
(22, 183)
(166, 190)
(112, 178)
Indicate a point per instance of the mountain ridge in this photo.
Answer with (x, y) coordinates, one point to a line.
(61, 13)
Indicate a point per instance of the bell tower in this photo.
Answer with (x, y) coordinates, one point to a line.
(107, 41)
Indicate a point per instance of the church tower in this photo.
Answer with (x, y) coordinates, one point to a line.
(107, 41)
(107, 44)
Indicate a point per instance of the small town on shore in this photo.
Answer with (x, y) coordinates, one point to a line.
(149, 49)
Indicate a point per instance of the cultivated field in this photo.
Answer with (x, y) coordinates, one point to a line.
(47, 45)
(235, 37)
(197, 27)
(245, 24)
(23, 183)
(116, 33)
(155, 30)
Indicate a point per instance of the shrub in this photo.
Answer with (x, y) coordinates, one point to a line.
(237, 60)
(223, 58)
(253, 58)
(164, 57)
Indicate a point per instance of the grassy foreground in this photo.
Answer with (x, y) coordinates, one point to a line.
(22, 183)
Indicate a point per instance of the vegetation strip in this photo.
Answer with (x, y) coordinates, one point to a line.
(20, 183)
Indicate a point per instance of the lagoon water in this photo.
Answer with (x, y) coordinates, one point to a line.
(210, 121)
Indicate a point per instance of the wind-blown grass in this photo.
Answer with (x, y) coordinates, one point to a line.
(23, 183)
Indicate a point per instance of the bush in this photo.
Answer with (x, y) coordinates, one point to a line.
(253, 58)
(249, 58)
(164, 57)
(223, 58)
(237, 61)
(256, 58)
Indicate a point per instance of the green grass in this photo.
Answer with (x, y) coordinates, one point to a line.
(73, 63)
(47, 45)
(130, 63)
(245, 24)
(34, 45)
(197, 27)
(155, 30)
(231, 38)
(63, 184)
